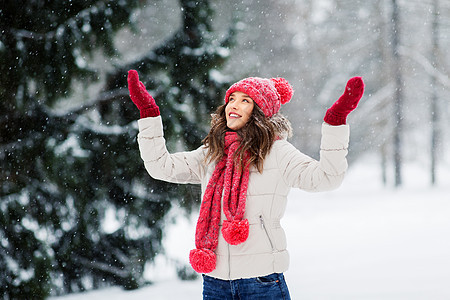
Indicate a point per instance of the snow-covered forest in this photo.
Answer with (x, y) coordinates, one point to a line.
(78, 210)
(362, 241)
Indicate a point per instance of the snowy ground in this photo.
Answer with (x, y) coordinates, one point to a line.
(362, 241)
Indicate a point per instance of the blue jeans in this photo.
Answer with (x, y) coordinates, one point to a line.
(270, 287)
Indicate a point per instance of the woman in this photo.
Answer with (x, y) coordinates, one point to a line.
(246, 169)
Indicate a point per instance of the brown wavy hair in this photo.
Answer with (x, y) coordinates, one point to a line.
(257, 137)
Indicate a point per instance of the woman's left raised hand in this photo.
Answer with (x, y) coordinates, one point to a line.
(338, 112)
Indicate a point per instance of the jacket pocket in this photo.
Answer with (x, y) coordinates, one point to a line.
(264, 227)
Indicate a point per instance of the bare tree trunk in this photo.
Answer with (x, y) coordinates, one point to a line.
(435, 135)
(398, 100)
(383, 165)
(385, 99)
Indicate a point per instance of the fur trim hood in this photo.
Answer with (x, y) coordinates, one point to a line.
(282, 126)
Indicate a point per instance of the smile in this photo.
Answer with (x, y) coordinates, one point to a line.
(233, 115)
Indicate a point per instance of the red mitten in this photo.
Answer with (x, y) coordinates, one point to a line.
(141, 98)
(338, 112)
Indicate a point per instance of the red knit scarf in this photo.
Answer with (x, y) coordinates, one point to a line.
(229, 181)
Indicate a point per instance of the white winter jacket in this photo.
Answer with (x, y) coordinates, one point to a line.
(264, 252)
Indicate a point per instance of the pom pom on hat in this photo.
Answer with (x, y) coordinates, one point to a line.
(284, 89)
(202, 260)
(235, 232)
(268, 94)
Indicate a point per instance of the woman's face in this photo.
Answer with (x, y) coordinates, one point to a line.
(238, 110)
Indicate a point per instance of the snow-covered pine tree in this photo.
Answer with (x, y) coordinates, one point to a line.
(63, 173)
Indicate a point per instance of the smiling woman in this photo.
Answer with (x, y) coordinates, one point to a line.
(246, 168)
(238, 110)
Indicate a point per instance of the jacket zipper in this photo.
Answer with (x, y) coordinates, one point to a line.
(263, 226)
(229, 262)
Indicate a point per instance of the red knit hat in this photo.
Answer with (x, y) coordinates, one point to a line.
(268, 94)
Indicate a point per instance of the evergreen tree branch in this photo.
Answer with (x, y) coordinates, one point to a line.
(103, 98)
(84, 14)
(105, 267)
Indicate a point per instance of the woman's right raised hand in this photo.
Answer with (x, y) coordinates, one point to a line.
(140, 97)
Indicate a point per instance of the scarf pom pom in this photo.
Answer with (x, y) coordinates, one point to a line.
(235, 232)
(202, 260)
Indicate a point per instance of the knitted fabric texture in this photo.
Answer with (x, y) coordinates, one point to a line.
(231, 182)
(337, 114)
(140, 97)
(268, 94)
